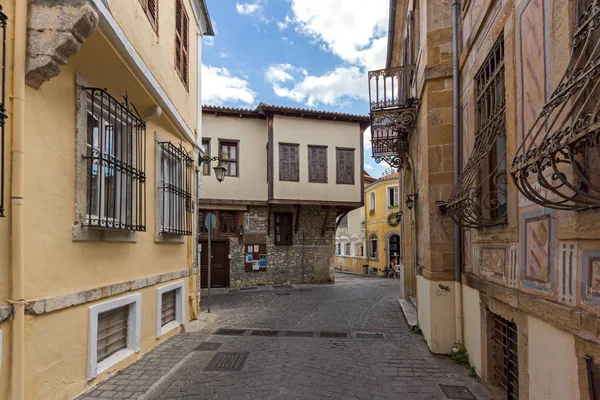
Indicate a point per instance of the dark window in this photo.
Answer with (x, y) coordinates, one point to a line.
(489, 83)
(227, 222)
(168, 309)
(289, 162)
(151, 9)
(176, 179)
(201, 221)
(112, 332)
(229, 157)
(317, 164)
(206, 166)
(116, 144)
(283, 228)
(181, 42)
(505, 356)
(373, 245)
(345, 166)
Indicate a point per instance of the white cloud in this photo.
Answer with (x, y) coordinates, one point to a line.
(369, 167)
(277, 73)
(219, 86)
(282, 25)
(354, 30)
(367, 138)
(331, 89)
(248, 8)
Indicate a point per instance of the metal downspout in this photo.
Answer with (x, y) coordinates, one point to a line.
(17, 384)
(458, 308)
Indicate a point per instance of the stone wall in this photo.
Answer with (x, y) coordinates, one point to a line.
(284, 263)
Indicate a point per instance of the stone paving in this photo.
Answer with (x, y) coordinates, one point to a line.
(398, 366)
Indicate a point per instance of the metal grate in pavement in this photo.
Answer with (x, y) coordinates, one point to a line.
(230, 332)
(208, 346)
(369, 335)
(264, 333)
(283, 287)
(227, 362)
(457, 392)
(299, 333)
(329, 334)
(282, 294)
(249, 288)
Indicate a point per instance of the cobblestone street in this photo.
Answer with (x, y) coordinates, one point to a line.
(343, 341)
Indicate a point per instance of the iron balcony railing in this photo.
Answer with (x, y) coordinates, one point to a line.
(393, 107)
(3, 116)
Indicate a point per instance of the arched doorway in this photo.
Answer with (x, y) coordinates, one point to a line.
(394, 248)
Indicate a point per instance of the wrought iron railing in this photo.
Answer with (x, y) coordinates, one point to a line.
(558, 162)
(116, 154)
(479, 198)
(177, 170)
(393, 107)
(3, 116)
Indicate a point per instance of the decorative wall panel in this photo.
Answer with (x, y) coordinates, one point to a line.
(538, 232)
(493, 261)
(590, 286)
(567, 272)
(513, 265)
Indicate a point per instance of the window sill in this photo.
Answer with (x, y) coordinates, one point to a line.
(98, 234)
(168, 328)
(160, 237)
(113, 360)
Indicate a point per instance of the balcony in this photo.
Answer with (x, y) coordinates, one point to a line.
(393, 105)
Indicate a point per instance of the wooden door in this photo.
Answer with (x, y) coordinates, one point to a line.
(220, 265)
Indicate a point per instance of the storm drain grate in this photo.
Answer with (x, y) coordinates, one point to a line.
(264, 333)
(299, 333)
(328, 334)
(384, 285)
(227, 362)
(369, 335)
(231, 332)
(457, 392)
(305, 290)
(249, 288)
(208, 346)
(282, 294)
(283, 287)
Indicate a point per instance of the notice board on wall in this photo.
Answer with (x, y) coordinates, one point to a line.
(255, 257)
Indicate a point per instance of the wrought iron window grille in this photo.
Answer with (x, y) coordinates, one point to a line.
(558, 163)
(506, 356)
(177, 171)
(479, 198)
(3, 116)
(116, 154)
(393, 113)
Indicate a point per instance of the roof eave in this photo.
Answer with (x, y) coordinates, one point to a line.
(204, 18)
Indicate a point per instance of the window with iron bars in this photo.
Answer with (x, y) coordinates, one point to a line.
(176, 190)
(116, 177)
(505, 356)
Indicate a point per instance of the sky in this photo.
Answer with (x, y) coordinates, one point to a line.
(297, 53)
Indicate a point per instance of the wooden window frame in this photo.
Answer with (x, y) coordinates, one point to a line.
(310, 162)
(236, 160)
(202, 231)
(338, 178)
(206, 144)
(182, 57)
(293, 145)
(153, 19)
(286, 215)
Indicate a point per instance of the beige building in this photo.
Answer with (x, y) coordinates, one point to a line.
(98, 157)
(525, 304)
(290, 174)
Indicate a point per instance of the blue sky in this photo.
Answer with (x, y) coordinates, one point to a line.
(298, 53)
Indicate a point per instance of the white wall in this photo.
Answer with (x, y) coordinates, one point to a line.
(472, 326)
(314, 132)
(251, 185)
(436, 314)
(552, 362)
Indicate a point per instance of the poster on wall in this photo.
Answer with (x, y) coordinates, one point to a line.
(263, 261)
(256, 248)
(255, 265)
(249, 258)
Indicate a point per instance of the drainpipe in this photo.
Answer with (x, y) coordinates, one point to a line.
(196, 257)
(458, 308)
(17, 385)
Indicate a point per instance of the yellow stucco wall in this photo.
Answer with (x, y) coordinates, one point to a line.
(472, 326)
(552, 374)
(329, 133)
(158, 50)
(348, 263)
(377, 221)
(251, 184)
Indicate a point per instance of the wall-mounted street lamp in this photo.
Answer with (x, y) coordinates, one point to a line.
(441, 205)
(219, 169)
(410, 200)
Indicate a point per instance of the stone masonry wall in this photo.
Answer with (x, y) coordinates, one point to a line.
(284, 263)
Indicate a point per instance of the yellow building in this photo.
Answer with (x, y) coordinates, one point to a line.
(98, 162)
(382, 225)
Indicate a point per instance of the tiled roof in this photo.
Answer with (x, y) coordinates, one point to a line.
(369, 177)
(395, 175)
(264, 109)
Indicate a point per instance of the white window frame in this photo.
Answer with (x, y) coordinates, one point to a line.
(372, 199)
(179, 288)
(396, 196)
(134, 328)
(169, 162)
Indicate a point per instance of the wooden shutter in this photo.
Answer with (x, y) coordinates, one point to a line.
(317, 164)
(181, 41)
(152, 12)
(289, 162)
(112, 332)
(284, 228)
(169, 307)
(345, 166)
